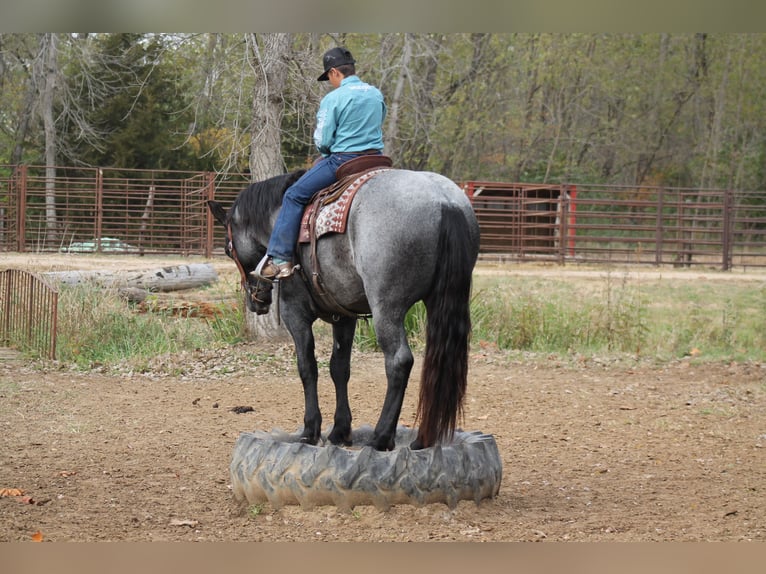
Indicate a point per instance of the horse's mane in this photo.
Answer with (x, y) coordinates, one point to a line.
(257, 201)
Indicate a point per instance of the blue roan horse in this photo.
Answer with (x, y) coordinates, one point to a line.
(411, 236)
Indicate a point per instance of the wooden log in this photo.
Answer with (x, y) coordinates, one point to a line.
(167, 305)
(175, 278)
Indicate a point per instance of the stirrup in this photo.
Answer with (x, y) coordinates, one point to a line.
(284, 271)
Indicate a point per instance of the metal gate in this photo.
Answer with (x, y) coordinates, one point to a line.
(29, 310)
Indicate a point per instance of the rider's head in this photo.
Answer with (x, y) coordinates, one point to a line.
(338, 63)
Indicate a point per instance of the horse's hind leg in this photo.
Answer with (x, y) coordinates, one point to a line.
(340, 371)
(392, 339)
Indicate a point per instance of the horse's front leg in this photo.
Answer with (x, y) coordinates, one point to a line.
(307, 369)
(340, 371)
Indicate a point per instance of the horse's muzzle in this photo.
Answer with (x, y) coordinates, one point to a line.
(258, 297)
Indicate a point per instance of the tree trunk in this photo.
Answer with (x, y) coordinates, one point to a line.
(392, 132)
(269, 55)
(49, 72)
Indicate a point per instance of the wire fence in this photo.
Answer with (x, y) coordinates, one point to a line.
(109, 210)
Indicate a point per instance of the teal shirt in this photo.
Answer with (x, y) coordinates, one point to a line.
(350, 118)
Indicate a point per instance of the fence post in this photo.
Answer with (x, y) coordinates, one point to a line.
(727, 230)
(210, 230)
(6, 279)
(658, 234)
(21, 208)
(99, 206)
(563, 224)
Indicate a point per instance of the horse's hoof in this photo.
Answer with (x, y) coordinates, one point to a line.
(340, 439)
(416, 445)
(309, 440)
(382, 445)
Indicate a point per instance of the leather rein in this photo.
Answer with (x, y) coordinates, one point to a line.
(244, 284)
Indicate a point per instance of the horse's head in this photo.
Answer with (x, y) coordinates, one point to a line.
(246, 253)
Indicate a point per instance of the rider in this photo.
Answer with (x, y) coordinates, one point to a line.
(349, 124)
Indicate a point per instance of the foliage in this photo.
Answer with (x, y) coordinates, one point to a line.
(616, 108)
(145, 120)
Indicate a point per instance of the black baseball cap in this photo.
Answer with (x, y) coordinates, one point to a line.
(333, 58)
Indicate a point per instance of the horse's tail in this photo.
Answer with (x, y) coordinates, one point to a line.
(445, 364)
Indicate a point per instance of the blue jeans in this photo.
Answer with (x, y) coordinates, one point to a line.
(284, 236)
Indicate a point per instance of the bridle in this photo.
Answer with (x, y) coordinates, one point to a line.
(244, 283)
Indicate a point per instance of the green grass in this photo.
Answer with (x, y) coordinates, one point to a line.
(611, 313)
(715, 319)
(552, 316)
(622, 313)
(96, 326)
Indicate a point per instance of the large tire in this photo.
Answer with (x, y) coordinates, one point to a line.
(277, 468)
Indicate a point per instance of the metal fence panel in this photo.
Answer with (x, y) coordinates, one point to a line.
(659, 226)
(111, 211)
(28, 312)
(152, 212)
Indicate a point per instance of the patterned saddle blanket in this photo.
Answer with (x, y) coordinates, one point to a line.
(328, 210)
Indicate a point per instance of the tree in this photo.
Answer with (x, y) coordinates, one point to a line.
(47, 78)
(143, 111)
(270, 54)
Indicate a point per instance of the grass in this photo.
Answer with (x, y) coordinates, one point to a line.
(550, 316)
(623, 313)
(256, 510)
(607, 314)
(96, 326)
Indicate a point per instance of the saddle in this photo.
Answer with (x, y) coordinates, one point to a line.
(327, 212)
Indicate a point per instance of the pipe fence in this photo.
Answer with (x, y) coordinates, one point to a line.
(151, 212)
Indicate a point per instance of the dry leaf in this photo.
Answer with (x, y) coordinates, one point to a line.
(37, 536)
(10, 492)
(190, 523)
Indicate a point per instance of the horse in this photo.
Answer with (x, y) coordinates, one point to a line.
(410, 236)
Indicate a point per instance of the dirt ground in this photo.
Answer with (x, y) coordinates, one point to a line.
(592, 450)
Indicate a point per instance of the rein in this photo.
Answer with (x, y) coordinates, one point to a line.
(243, 282)
(233, 252)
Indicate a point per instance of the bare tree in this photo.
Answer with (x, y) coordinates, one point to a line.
(392, 125)
(17, 51)
(269, 56)
(48, 63)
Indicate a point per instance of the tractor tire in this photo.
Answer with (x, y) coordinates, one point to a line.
(277, 468)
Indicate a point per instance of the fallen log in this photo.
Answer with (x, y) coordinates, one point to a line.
(185, 307)
(174, 278)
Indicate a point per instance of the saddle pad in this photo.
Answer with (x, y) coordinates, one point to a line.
(332, 217)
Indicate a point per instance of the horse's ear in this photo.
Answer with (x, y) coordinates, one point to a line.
(217, 210)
